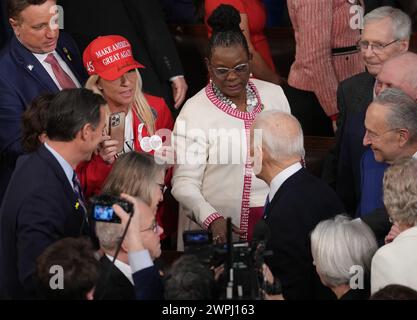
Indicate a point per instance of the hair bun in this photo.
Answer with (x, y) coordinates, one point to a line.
(224, 18)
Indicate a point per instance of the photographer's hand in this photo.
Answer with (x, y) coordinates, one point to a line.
(133, 236)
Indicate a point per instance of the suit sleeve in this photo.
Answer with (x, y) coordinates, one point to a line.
(11, 109)
(150, 24)
(314, 19)
(290, 262)
(148, 284)
(41, 222)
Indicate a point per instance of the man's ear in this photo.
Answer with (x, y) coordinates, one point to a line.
(15, 26)
(404, 45)
(85, 131)
(404, 137)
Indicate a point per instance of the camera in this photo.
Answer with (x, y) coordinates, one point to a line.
(243, 278)
(102, 210)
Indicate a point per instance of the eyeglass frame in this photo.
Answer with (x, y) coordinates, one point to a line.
(153, 227)
(228, 70)
(380, 48)
(374, 136)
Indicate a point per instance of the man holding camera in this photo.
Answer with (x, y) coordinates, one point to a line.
(44, 201)
(116, 279)
(297, 201)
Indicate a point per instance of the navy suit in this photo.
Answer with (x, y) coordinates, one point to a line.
(113, 286)
(23, 78)
(298, 206)
(39, 208)
(342, 166)
(148, 284)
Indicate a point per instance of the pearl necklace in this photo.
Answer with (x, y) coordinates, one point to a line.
(251, 99)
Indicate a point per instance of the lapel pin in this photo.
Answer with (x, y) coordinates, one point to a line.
(30, 67)
(77, 205)
(67, 53)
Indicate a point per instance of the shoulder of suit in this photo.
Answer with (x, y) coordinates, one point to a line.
(357, 80)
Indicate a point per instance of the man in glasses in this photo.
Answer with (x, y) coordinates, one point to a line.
(386, 33)
(119, 285)
(391, 134)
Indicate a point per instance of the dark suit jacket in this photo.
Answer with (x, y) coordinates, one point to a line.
(142, 23)
(148, 284)
(114, 286)
(342, 165)
(299, 205)
(5, 29)
(38, 209)
(23, 78)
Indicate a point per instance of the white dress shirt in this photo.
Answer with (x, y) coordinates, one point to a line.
(280, 178)
(42, 56)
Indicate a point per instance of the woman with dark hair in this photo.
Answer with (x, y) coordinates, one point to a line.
(252, 22)
(34, 123)
(213, 178)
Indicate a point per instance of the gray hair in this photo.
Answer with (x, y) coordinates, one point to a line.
(401, 22)
(403, 110)
(109, 234)
(339, 244)
(400, 191)
(282, 135)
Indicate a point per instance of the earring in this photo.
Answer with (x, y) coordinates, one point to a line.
(251, 75)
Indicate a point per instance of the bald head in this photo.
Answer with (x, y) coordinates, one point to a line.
(399, 72)
(282, 136)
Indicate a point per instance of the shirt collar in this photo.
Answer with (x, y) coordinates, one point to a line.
(280, 178)
(123, 267)
(42, 56)
(69, 171)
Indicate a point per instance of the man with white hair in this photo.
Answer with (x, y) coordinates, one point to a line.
(116, 280)
(297, 201)
(391, 134)
(386, 34)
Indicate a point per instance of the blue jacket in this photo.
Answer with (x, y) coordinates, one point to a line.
(39, 208)
(23, 78)
(372, 174)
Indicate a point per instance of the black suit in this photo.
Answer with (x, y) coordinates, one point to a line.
(300, 203)
(39, 208)
(114, 286)
(139, 21)
(342, 166)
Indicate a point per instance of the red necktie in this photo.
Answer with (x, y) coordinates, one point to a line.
(63, 78)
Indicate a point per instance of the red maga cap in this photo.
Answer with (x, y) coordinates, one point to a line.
(109, 57)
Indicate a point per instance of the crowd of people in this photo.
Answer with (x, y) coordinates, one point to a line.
(114, 121)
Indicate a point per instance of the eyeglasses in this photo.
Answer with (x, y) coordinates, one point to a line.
(375, 47)
(153, 227)
(222, 72)
(375, 136)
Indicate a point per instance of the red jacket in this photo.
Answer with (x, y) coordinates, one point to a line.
(93, 173)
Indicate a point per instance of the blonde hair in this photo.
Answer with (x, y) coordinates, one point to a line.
(140, 106)
(133, 173)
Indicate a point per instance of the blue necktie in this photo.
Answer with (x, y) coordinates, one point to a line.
(79, 194)
(266, 207)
